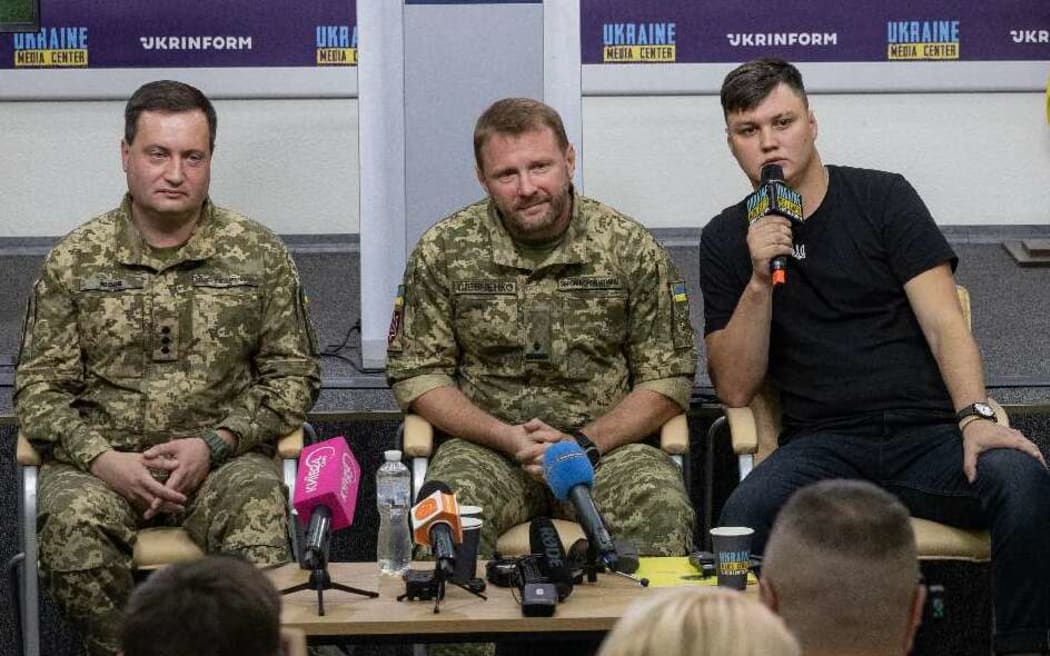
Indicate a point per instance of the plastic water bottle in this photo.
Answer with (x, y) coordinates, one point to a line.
(393, 491)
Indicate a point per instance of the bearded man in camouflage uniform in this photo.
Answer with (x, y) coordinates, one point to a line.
(166, 347)
(540, 315)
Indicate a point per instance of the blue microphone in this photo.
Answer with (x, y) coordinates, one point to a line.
(570, 476)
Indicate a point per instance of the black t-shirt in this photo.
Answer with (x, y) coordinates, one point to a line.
(844, 344)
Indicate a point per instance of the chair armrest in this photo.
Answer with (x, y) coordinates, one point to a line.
(674, 436)
(290, 445)
(1000, 414)
(742, 430)
(25, 454)
(293, 642)
(418, 440)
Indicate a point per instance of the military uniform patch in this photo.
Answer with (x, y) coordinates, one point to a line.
(103, 284)
(398, 319)
(682, 328)
(678, 292)
(587, 283)
(498, 287)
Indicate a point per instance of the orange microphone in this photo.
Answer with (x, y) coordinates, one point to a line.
(435, 523)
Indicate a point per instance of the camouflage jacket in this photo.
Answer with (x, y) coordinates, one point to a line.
(564, 340)
(123, 350)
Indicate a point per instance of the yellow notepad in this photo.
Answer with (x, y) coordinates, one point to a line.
(665, 572)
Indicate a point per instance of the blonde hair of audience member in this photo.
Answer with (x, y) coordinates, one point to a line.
(841, 568)
(699, 621)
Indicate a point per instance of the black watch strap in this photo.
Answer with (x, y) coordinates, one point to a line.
(981, 410)
(218, 449)
(589, 448)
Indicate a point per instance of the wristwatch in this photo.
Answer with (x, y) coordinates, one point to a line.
(593, 454)
(979, 410)
(218, 449)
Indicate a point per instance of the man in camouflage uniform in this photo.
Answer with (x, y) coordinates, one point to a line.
(166, 348)
(540, 315)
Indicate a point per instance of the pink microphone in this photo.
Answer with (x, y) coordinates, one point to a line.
(325, 495)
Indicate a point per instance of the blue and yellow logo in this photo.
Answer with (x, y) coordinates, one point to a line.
(758, 204)
(922, 40)
(336, 45)
(645, 43)
(678, 292)
(52, 47)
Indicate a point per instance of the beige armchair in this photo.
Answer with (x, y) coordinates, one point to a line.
(154, 547)
(754, 430)
(418, 444)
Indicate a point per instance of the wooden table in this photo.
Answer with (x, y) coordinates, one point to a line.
(590, 611)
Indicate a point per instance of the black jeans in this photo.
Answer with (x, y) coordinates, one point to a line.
(922, 465)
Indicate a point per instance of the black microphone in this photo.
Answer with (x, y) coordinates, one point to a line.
(774, 196)
(435, 522)
(570, 476)
(545, 541)
(317, 538)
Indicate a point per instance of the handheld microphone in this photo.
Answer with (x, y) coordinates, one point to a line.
(774, 196)
(435, 523)
(544, 540)
(325, 495)
(570, 476)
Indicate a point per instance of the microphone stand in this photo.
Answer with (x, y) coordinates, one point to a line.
(438, 580)
(594, 563)
(320, 580)
(591, 563)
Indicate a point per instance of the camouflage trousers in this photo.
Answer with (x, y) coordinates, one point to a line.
(637, 488)
(87, 533)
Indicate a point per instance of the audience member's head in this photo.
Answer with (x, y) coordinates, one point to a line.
(699, 621)
(215, 606)
(842, 569)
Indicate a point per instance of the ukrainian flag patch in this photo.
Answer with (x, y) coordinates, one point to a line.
(678, 292)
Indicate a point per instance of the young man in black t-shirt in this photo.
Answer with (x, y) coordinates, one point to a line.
(879, 375)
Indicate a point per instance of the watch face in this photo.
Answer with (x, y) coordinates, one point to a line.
(984, 409)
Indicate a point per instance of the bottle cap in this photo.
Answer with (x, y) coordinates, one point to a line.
(393, 455)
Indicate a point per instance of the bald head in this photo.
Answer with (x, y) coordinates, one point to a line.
(841, 568)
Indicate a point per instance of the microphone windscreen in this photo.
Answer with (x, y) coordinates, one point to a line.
(430, 487)
(328, 475)
(772, 172)
(565, 466)
(438, 507)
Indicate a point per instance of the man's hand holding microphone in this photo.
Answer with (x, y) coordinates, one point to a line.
(772, 211)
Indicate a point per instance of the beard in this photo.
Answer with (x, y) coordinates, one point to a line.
(527, 226)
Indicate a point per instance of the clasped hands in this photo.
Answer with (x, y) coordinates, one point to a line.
(159, 479)
(530, 440)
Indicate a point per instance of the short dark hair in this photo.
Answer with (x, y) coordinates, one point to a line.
(516, 116)
(214, 606)
(850, 517)
(843, 560)
(748, 85)
(170, 97)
